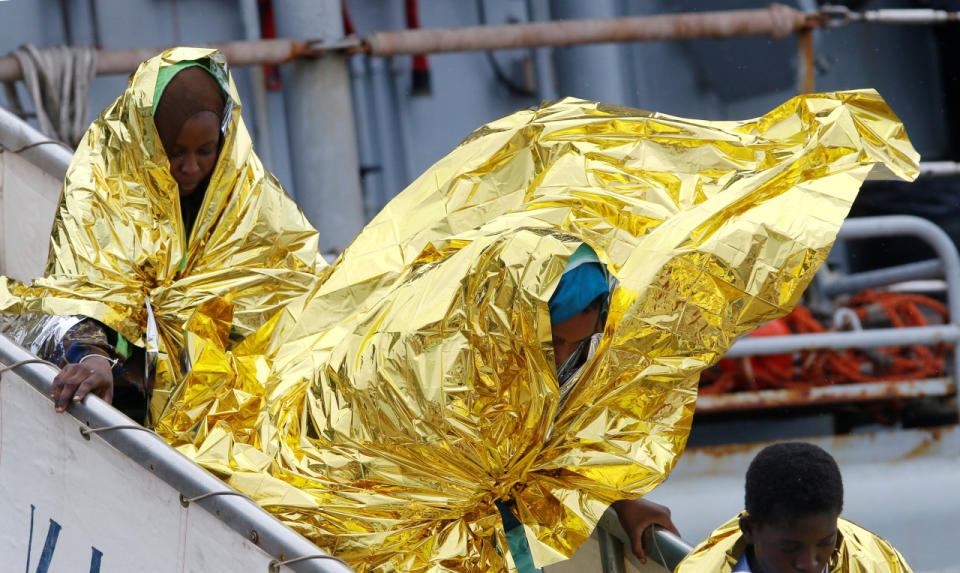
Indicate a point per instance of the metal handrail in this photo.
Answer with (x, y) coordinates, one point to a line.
(933, 235)
(834, 284)
(865, 228)
(153, 454)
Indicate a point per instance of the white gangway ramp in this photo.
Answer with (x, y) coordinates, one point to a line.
(117, 500)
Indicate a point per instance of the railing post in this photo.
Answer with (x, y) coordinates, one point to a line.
(321, 125)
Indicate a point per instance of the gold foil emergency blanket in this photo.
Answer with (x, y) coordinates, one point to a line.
(857, 551)
(118, 239)
(384, 414)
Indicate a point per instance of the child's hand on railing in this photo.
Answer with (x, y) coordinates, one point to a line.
(636, 515)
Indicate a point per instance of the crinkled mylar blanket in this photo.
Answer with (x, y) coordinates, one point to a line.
(383, 413)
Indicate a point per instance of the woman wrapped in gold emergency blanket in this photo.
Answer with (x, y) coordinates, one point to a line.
(140, 239)
(386, 415)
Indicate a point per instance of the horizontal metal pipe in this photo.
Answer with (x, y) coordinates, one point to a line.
(875, 338)
(838, 15)
(152, 453)
(932, 269)
(776, 20)
(836, 394)
(245, 53)
(908, 16)
(939, 169)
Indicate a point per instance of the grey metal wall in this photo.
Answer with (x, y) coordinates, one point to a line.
(401, 133)
(714, 79)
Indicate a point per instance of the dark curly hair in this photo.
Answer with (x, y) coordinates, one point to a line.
(791, 480)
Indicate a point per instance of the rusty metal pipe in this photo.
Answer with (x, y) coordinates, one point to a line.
(776, 20)
(256, 52)
(823, 395)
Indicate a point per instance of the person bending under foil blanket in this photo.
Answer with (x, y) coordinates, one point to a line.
(151, 224)
(578, 311)
(794, 496)
(188, 113)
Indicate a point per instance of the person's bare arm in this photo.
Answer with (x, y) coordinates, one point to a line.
(636, 515)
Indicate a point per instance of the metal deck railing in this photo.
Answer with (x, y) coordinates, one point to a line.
(946, 266)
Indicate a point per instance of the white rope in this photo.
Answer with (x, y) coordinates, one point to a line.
(87, 432)
(16, 365)
(275, 565)
(58, 81)
(185, 501)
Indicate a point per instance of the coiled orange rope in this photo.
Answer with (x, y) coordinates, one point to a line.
(826, 367)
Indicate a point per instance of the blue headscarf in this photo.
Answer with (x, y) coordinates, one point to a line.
(583, 280)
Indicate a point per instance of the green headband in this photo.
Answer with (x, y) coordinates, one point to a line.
(167, 73)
